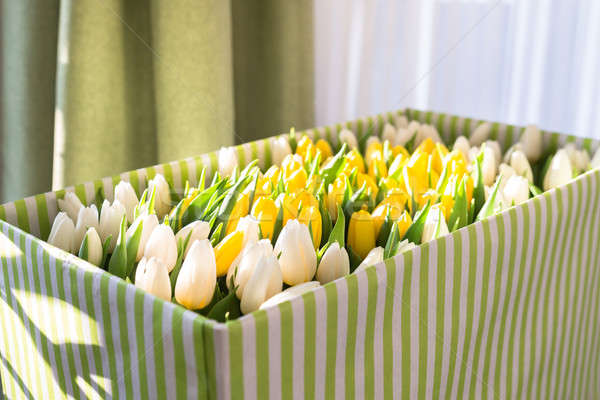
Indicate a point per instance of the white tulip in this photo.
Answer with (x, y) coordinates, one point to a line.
(403, 136)
(480, 134)
(373, 257)
(149, 223)
(110, 222)
(71, 205)
(516, 190)
(249, 226)
(400, 121)
(518, 161)
(413, 127)
(162, 245)
(580, 159)
(264, 283)
(334, 264)
(428, 132)
(462, 144)
(280, 148)
(435, 225)
(506, 171)
(152, 276)
(559, 172)
(348, 137)
(298, 259)
(197, 278)
(405, 245)
(247, 262)
(512, 149)
(531, 140)
(500, 202)
(595, 163)
(290, 293)
(94, 250)
(227, 160)
(496, 148)
(87, 218)
(125, 194)
(389, 133)
(199, 229)
(472, 154)
(62, 232)
(162, 200)
(488, 165)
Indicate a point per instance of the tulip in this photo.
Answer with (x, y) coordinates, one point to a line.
(404, 222)
(334, 264)
(380, 212)
(559, 172)
(335, 196)
(87, 218)
(162, 201)
(595, 163)
(248, 225)
(506, 171)
(516, 190)
(462, 144)
(488, 165)
(354, 160)
(324, 148)
(240, 209)
(280, 148)
(227, 160)
(403, 136)
(296, 253)
(435, 225)
(290, 293)
(110, 222)
(93, 254)
(264, 283)
(198, 230)
(496, 148)
(227, 251)
(373, 146)
(473, 153)
(348, 137)
(377, 167)
(71, 205)
(580, 159)
(62, 232)
(162, 245)
(375, 256)
(518, 161)
(400, 121)
(265, 211)
(306, 148)
(405, 245)
(197, 278)
(481, 134)
(311, 215)
(125, 194)
(361, 233)
(389, 133)
(152, 276)
(149, 222)
(531, 140)
(428, 132)
(248, 261)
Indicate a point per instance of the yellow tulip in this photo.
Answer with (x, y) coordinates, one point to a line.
(335, 195)
(306, 198)
(415, 173)
(306, 148)
(379, 213)
(228, 250)
(240, 209)
(373, 150)
(272, 174)
(286, 201)
(400, 150)
(361, 233)
(426, 146)
(296, 180)
(290, 164)
(447, 203)
(437, 157)
(398, 163)
(396, 196)
(388, 183)
(377, 167)
(324, 148)
(354, 160)
(371, 185)
(311, 215)
(265, 211)
(404, 222)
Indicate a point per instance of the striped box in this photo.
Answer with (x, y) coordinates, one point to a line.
(507, 307)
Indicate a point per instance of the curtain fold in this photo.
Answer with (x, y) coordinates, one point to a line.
(92, 88)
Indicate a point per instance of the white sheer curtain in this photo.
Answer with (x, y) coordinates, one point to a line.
(521, 61)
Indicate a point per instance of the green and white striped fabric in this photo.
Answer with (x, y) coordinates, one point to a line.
(508, 308)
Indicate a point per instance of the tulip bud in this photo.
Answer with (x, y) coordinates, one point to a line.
(559, 172)
(428, 132)
(531, 140)
(125, 194)
(87, 218)
(506, 171)
(265, 211)
(488, 165)
(199, 231)
(348, 137)
(248, 260)
(435, 225)
(462, 144)
(149, 222)
(496, 148)
(405, 245)
(162, 201)
(71, 205)
(361, 233)
(248, 225)
(595, 163)
(93, 252)
(515, 191)
(227, 160)
(110, 222)
(518, 161)
(375, 256)
(473, 153)
(197, 278)
(334, 264)
(580, 159)
(311, 215)
(389, 133)
(280, 148)
(264, 283)
(228, 250)
(296, 253)
(62, 232)
(325, 148)
(481, 134)
(162, 245)
(403, 136)
(290, 293)
(152, 276)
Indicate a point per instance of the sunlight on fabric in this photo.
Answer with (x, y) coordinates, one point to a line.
(7, 248)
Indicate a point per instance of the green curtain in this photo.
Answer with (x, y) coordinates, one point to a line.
(94, 87)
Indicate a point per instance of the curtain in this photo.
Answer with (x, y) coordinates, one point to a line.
(534, 61)
(95, 87)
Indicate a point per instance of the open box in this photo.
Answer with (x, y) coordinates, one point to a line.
(505, 307)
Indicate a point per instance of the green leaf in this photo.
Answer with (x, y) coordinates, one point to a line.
(355, 259)
(229, 202)
(334, 166)
(138, 207)
(459, 215)
(252, 192)
(326, 226)
(132, 247)
(181, 246)
(292, 139)
(278, 224)
(217, 296)
(415, 231)
(362, 141)
(489, 207)
(339, 230)
(118, 261)
(227, 308)
(391, 245)
(105, 251)
(534, 190)
(83, 249)
(385, 230)
(215, 237)
(202, 179)
(479, 189)
(410, 145)
(152, 201)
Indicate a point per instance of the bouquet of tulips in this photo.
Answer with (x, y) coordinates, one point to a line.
(249, 239)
